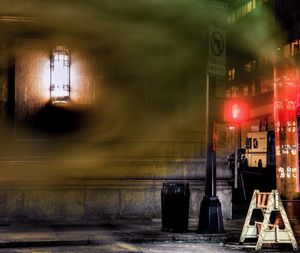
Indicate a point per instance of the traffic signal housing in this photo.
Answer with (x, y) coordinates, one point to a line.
(236, 111)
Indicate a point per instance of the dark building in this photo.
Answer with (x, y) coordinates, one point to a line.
(263, 69)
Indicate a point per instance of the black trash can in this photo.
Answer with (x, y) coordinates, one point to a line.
(175, 198)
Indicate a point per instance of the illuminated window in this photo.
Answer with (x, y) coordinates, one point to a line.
(238, 12)
(246, 91)
(264, 61)
(232, 17)
(228, 93)
(253, 89)
(234, 92)
(231, 74)
(249, 6)
(287, 51)
(249, 67)
(295, 47)
(242, 10)
(60, 75)
(291, 49)
(266, 85)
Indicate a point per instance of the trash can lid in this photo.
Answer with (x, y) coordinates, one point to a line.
(175, 184)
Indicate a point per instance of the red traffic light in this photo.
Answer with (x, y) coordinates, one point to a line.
(236, 111)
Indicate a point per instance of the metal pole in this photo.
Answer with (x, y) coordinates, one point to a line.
(210, 219)
(235, 178)
(210, 186)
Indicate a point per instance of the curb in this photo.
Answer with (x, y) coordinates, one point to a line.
(28, 244)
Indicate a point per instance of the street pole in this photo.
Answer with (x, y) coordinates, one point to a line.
(210, 218)
(235, 178)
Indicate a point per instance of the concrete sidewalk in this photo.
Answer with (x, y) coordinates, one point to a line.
(134, 231)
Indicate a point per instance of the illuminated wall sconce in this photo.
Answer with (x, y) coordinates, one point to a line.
(60, 75)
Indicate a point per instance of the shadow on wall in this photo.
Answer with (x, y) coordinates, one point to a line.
(60, 118)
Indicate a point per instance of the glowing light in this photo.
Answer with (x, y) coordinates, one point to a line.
(60, 75)
(235, 111)
(286, 139)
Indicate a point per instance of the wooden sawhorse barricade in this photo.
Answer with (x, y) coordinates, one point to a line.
(264, 231)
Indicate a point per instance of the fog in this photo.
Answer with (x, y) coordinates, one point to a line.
(151, 59)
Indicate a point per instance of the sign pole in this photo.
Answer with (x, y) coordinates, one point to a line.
(210, 218)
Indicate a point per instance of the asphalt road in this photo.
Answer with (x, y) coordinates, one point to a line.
(143, 248)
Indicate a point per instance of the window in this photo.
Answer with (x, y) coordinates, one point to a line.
(286, 50)
(291, 49)
(295, 48)
(238, 12)
(242, 10)
(228, 93)
(264, 61)
(266, 85)
(253, 89)
(231, 74)
(232, 92)
(246, 91)
(255, 143)
(249, 7)
(249, 66)
(248, 143)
